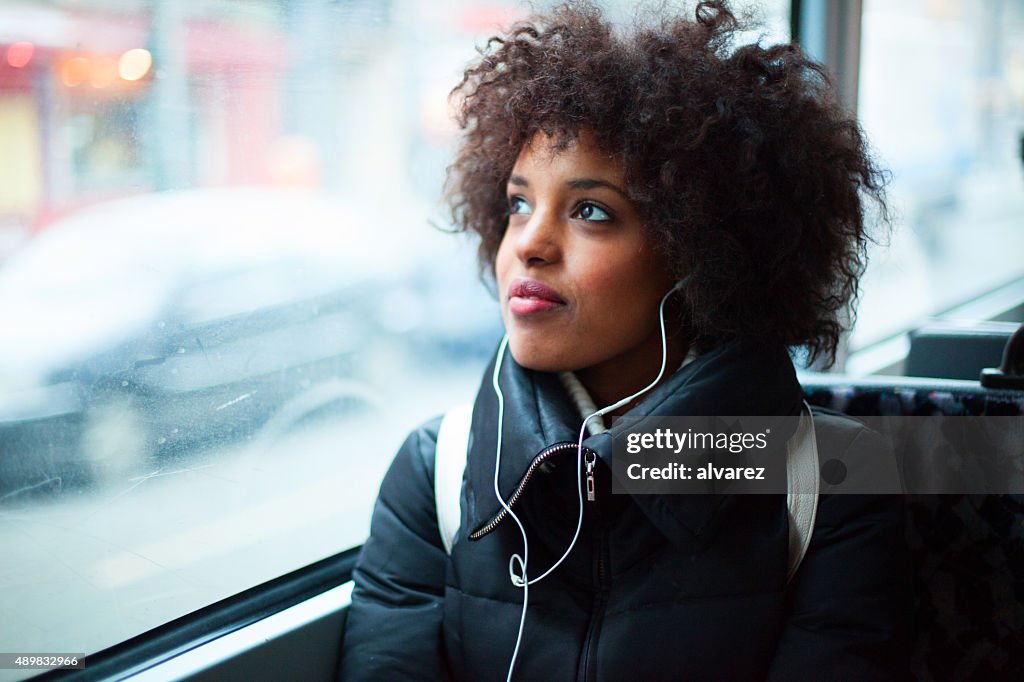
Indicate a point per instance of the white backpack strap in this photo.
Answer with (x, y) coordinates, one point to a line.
(802, 486)
(449, 465)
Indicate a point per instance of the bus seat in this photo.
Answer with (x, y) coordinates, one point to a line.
(967, 550)
(956, 351)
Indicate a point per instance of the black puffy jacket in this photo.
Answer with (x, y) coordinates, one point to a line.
(658, 587)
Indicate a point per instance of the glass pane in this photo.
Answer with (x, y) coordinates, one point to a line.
(223, 304)
(222, 301)
(942, 101)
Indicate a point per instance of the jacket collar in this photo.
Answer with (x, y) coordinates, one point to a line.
(742, 377)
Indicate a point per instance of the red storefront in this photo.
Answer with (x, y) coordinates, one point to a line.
(83, 117)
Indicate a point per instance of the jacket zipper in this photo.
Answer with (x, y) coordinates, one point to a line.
(590, 458)
(588, 668)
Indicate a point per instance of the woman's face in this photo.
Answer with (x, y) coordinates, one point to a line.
(578, 281)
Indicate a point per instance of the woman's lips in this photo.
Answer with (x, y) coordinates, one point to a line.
(528, 296)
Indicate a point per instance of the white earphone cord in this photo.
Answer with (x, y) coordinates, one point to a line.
(523, 580)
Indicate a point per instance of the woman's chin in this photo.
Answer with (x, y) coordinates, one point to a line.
(538, 358)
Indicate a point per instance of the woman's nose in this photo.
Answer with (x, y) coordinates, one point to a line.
(540, 240)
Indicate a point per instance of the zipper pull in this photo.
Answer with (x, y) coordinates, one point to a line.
(591, 459)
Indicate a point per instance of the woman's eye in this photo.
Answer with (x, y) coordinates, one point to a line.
(518, 206)
(592, 213)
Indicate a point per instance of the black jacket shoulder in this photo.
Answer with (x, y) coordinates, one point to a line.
(393, 629)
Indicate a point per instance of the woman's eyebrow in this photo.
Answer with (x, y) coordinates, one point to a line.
(591, 183)
(576, 183)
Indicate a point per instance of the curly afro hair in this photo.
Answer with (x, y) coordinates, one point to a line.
(749, 175)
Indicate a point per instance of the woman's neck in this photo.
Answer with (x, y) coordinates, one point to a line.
(608, 383)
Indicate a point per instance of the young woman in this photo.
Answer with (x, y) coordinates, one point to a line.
(644, 199)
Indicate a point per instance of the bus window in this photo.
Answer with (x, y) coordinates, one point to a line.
(942, 101)
(222, 300)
